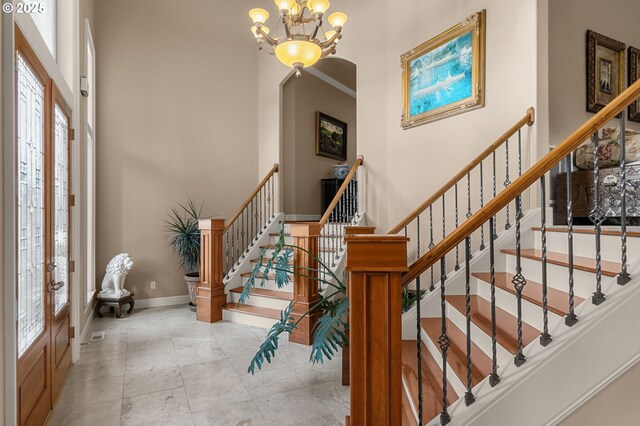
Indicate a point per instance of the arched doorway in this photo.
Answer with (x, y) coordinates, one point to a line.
(328, 88)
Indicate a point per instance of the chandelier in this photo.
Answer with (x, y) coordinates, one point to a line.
(304, 41)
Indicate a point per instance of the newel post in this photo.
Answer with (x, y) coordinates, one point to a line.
(375, 264)
(210, 295)
(305, 288)
(349, 231)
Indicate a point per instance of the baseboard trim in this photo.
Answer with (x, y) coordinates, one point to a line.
(594, 391)
(159, 302)
(87, 327)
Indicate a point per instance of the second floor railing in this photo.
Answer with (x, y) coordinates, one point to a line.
(344, 210)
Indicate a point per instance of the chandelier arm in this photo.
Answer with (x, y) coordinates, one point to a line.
(337, 36)
(315, 31)
(286, 26)
(270, 40)
(330, 51)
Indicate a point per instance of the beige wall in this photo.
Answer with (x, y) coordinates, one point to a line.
(569, 21)
(302, 168)
(617, 404)
(405, 166)
(176, 119)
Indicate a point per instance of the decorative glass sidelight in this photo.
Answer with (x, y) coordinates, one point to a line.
(61, 208)
(30, 215)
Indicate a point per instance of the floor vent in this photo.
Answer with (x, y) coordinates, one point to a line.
(97, 336)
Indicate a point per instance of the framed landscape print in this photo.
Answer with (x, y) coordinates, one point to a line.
(634, 75)
(331, 137)
(605, 70)
(445, 75)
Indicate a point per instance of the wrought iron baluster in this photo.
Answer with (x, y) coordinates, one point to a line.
(482, 246)
(519, 152)
(227, 267)
(431, 244)
(493, 222)
(419, 327)
(457, 265)
(519, 282)
(266, 202)
(271, 197)
(507, 182)
(233, 246)
(468, 396)
(444, 221)
(571, 318)
(274, 189)
(597, 216)
(494, 379)
(623, 276)
(444, 343)
(545, 337)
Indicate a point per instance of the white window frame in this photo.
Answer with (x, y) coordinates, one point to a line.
(90, 178)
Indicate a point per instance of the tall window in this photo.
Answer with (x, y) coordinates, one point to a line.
(47, 23)
(90, 66)
(31, 232)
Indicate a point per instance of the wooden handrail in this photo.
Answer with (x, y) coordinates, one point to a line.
(546, 163)
(273, 171)
(341, 191)
(528, 119)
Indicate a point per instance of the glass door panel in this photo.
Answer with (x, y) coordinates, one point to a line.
(61, 209)
(31, 205)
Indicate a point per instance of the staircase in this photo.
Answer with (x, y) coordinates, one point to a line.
(241, 252)
(522, 321)
(506, 315)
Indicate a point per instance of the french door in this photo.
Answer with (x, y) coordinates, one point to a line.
(43, 130)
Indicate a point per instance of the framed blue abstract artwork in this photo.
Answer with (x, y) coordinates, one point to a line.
(445, 75)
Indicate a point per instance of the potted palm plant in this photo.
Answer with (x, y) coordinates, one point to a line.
(183, 234)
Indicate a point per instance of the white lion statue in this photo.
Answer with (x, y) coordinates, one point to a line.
(117, 270)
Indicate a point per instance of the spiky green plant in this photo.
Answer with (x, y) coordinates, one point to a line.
(330, 333)
(181, 228)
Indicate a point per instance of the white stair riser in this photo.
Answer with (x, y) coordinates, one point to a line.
(452, 377)
(287, 240)
(531, 313)
(479, 337)
(271, 285)
(265, 302)
(248, 319)
(585, 245)
(584, 283)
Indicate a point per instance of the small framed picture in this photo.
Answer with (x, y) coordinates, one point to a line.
(331, 137)
(634, 75)
(605, 70)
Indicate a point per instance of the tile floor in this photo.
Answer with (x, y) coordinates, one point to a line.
(161, 367)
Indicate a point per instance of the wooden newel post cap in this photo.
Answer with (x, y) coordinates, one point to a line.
(381, 253)
(305, 229)
(213, 224)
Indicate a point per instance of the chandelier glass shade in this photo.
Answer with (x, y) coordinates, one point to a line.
(303, 40)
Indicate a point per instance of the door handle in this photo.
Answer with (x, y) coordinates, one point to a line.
(56, 285)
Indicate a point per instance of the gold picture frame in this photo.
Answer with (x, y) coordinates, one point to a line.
(430, 91)
(605, 70)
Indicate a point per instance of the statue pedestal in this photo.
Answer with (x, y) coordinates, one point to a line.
(115, 304)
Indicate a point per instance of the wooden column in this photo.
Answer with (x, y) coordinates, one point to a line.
(305, 289)
(375, 264)
(210, 295)
(349, 231)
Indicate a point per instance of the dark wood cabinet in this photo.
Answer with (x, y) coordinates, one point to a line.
(347, 207)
